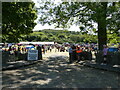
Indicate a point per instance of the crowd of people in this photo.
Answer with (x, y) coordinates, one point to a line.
(77, 52)
(105, 53)
(23, 48)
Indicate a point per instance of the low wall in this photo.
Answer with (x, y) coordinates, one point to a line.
(113, 58)
(84, 56)
(7, 57)
(87, 55)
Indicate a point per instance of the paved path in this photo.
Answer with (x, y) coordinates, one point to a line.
(54, 72)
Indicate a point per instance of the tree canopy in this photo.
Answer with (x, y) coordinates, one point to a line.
(60, 36)
(17, 20)
(84, 14)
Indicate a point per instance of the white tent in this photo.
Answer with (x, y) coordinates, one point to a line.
(36, 43)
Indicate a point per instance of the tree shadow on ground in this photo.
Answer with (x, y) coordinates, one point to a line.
(57, 73)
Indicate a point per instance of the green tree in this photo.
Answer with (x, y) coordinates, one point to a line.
(38, 38)
(17, 20)
(113, 38)
(90, 38)
(62, 36)
(76, 38)
(85, 13)
(44, 38)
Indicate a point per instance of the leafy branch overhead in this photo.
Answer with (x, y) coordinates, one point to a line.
(18, 19)
(84, 14)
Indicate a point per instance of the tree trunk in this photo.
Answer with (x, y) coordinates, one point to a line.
(102, 36)
(102, 32)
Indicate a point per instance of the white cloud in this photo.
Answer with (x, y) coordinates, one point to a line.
(36, 3)
(40, 27)
(74, 28)
(46, 26)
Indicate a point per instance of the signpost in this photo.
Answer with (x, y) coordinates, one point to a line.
(32, 55)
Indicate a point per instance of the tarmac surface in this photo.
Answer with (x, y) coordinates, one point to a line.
(55, 72)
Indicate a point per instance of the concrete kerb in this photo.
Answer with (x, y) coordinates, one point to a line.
(105, 68)
(96, 66)
(20, 66)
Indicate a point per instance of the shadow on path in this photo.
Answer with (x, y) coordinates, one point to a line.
(55, 72)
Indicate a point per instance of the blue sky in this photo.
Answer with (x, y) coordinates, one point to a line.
(46, 26)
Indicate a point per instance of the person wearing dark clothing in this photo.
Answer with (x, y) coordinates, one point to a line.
(119, 47)
(74, 53)
(79, 53)
(39, 52)
(10, 48)
(19, 48)
(50, 49)
(70, 55)
(43, 48)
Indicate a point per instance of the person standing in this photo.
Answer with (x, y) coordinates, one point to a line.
(50, 48)
(105, 51)
(43, 48)
(78, 51)
(74, 56)
(70, 55)
(119, 47)
(39, 52)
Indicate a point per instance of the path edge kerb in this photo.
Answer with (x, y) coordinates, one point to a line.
(20, 66)
(110, 69)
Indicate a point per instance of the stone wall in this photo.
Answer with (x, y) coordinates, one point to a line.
(7, 57)
(113, 58)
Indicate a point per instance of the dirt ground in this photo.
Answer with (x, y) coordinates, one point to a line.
(55, 72)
